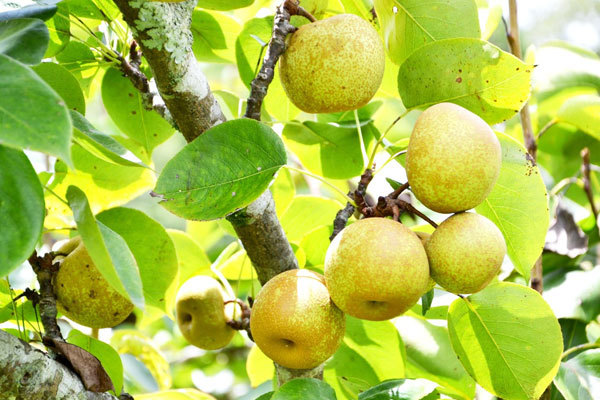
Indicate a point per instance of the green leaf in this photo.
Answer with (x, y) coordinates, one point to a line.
(24, 39)
(146, 129)
(224, 5)
(583, 112)
(399, 389)
(429, 355)
(214, 36)
(283, 189)
(98, 144)
(304, 388)
(508, 339)
(59, 27)
(105, 184)
(259, 367)
(305, 213)
(574, 294)
(328, 150)
(21, 209)
(518, 205)
(64, 84)
(358, 7)
(191, 257)
(315, 244)
(108, 357)
(349, 373)
(426, 301)
(85, 9)
(410, 24)
(152, 248)
(579, 378)
(43, 11)
(178, 394)
(108, 249)
(239, 159)
(48, 129)
(472, 73)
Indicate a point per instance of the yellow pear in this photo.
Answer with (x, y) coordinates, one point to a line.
(331, 65)
(294, 322)
(376, 269)
(82, 293)
(465, 253)
(453, 159)
(202, 314)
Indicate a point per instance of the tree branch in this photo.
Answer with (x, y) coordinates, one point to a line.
(28, 373)
(512, 35)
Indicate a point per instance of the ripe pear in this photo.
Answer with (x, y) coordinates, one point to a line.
(453, 159)
(332, 65)
(202, 314)
(376, 269)
(294, 322)
(465, 253)
(82, 293)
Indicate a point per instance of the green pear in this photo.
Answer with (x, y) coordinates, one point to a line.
(465, 253)
(453, 159)
(332, 65)
(82, 294)
(202, 314)
(376, 269)
(294, 322)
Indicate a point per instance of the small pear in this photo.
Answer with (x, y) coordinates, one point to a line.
(202, 314)
(376, 269)
(453, 159)
(465, 253)
(294, 322)
(82, 293)
(332, 65)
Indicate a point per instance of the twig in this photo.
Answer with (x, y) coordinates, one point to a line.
(585, 170)
(512, 35)
(243, 324)
(342, 216)
(138, 79)
(260, 84)
(45, 269)
(398, 192)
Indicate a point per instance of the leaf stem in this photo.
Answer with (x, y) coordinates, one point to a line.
(56, 195)
(363, 149)
(323, 180)
(374, 152)
(545, 128)
(581, 347)
(389, 160)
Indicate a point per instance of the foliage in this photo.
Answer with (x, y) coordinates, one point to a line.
(68, 112)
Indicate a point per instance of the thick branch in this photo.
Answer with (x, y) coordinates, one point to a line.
(163, 32)
(29, 374)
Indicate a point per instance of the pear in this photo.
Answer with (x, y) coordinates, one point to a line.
(82, 294)
(453, 159)
(294, 322)
(465, 253)
(376, 269)
(202, 314)
(332, 65)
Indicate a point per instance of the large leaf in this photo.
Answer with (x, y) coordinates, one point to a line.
(304, 388)
(146, 129)
(107, 249)
(399, 389)
(410, 24)
(59, 27)
(108, 357)
(224, 169)
(429, 355)
(214, 36)
(24, 39)
(508, 339)
(328, 150)
(579, 378)
(105, 184)
(518, 205)
(22, 91)
(574, 294)
(21, 209)
(583, 112)
(152, 248)
(64, 83)
(80, 60)
(472, 73)
(306, 213)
